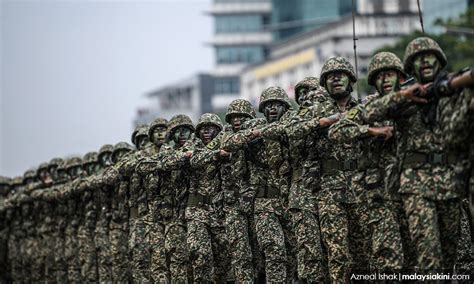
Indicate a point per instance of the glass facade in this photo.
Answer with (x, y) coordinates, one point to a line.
(239, 54)
(227, 85)
(239, 23)
(292, 17)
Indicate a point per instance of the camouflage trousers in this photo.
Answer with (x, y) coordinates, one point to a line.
(308, 244)
(434, 230)
(72, 255)
(32, 262)
(344, 232)
(104, 256)
(387, 246)
(465, 248)
(60, 264)
(118, 234)
(237, 226)
(48, 257)
(208, 251)
(271, 240)
(87, 254)
(139, 249)
(14, 258)
(4, 267)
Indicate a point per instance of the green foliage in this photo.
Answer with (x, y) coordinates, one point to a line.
(457, 47)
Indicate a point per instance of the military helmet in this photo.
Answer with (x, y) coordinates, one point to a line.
(422, 44)
(273, 94)
(42, 166)
(383, 61)
(310, 83)
(157, 123)
(177, 121)
(5, 180)
(55, 162)
(121, 146)
(240, 107)
(334, 64)
(16, 181)
(106, 148)
(73, 162)
(90, 158)
(141, 130)
(31, 173)
(209, 119)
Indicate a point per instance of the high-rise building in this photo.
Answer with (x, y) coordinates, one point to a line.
(239, 39)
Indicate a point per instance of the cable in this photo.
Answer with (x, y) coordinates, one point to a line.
(355, 50)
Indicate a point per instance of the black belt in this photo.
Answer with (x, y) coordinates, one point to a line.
(332, 165)
(268, 192)
(414, 158)
(196, 199)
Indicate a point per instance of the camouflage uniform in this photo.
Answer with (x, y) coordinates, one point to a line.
(119, 224)
(4, 231)
(377, 175)
(428, 182)
(268, 185)
(17, 234)
(103, 198)
(239, 214)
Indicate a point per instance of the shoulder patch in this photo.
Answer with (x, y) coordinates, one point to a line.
(213, 145)
(303, 111)
(352, 113)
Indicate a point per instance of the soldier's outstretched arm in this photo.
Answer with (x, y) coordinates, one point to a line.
(350, 127)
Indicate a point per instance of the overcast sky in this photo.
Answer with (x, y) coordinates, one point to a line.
(73, 73)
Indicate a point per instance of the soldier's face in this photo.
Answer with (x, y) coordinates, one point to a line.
(337, 83)
(29, 181)
(62, 175)
(302, 95)
(236, 121)
(44, 176)
(75, 172)
(274, 110)
(92, 168)
(120, 154)
(106, 159)
(159, 135)
(142, 141)
(387, 81)
(207, 133)
(53, 172)
(426, 67)
(181, 135)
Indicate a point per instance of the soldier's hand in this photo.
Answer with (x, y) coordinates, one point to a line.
(189, 154)
(386, 132)
(224, 153)
(415, 93)
(255, 133)
(330, 120)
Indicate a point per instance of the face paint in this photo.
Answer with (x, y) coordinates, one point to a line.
(159, 135)
(53, 172)
(274, 110)
(236, 121)
(142, 141)
(105, 159)
(75, 172)
(92, 168)
(426, 67)
(181, 135)
(44, 176)
(302, 92)
(338, 85)
(387, 81)
(207, 133)
(62, 175)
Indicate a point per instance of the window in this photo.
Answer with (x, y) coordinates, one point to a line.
(227, 85)
(239, 54)
(239, 23)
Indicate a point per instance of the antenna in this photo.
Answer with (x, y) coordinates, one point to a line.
(355, 49)
(421, 17)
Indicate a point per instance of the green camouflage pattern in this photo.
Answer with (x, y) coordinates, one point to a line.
(121, 146)
(156, 123)
(106, 148)
(334, 64)
(419, 45)
(208, 119)
(177, 121)
(240, 107)
(73, 162)
(273, 94)
(383, 61)
(310, 83)
(89, 158)
(141, 130)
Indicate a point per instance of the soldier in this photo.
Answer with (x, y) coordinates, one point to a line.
(268, 181)
(4, 231)
(238, 214)
(17, 234)
(428, 182)
(378, 172)
(103, 199)
(119, 225)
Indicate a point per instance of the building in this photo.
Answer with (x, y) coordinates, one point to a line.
(191, 96)
(304, 54)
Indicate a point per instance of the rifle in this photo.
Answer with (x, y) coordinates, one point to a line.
(446, 84)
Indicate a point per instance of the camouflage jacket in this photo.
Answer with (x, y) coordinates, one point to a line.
(420, 140)
(378, 172)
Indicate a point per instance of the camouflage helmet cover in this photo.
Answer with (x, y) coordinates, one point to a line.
(5, 180)
(310, 83)
(156, 123)
(140, 130)
(89, 158)
(31, 173)
(42, 166)
(209, 119)
(73, 162)
(16, 181)
(335, 64)
(121, 146)
(383, 61)
(240, 107)
(107, 148)
(55, 162)
(419, 45)
(273, 94)
(177, 121)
